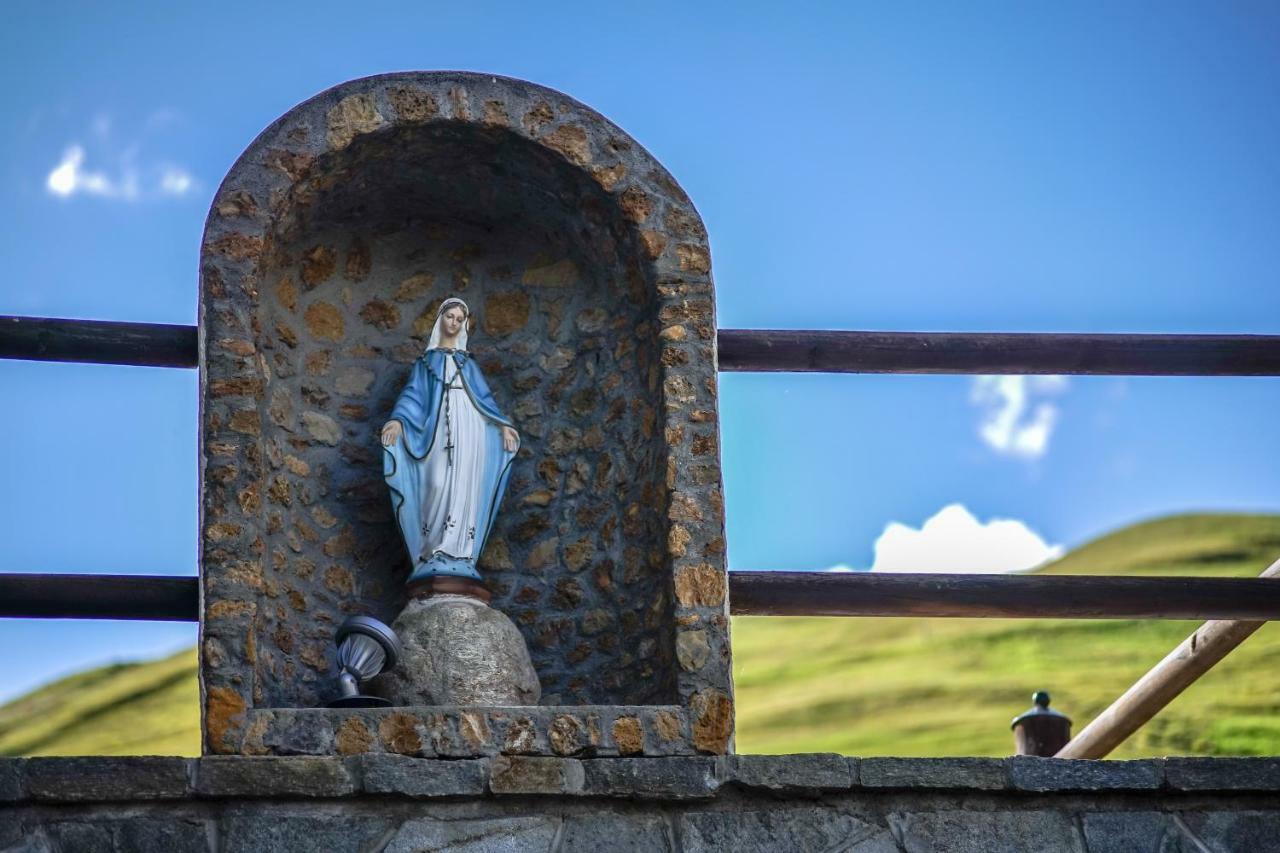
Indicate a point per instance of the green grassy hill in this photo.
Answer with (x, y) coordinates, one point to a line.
(920, 687)
(913, 687)
(150, 708)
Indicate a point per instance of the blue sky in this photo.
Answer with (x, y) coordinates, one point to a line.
(1012, 167)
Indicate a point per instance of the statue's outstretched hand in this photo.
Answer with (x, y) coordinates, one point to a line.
(510, 439)
(391, 433)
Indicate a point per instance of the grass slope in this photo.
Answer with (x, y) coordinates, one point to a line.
(150, 708)
(927, 687)
(916, 687)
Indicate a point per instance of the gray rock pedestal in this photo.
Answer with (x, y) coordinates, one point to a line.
(459, 651)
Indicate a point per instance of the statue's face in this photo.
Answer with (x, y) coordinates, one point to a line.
(451, 322)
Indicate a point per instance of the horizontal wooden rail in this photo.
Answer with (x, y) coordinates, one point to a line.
(1014, 353)
(757, 594)
(98, 342)
(1001, 596)
(160, 598)
(45, 339)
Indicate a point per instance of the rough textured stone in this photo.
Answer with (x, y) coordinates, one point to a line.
(420, 777)
(1134, 832)
(809, 773)
(325, 322)
(712, 713)
(518, 774)
(290, 833)
(237, 776)
(777, 829)
(1029, 773)
(651, 778)
(458, 651)
(100, 780)
(11, 779)
(1222, 774)
(1228, 830)
(962, 773)
(475, 836)
(617, 834)
(987, 832)
(322, 428)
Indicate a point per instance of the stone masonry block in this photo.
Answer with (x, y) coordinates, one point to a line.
(961, 773)
(809, 773)
(422, 777)
(106, 779)
(681, 778)
(1030, 773)
(237, 776)
(519, 774)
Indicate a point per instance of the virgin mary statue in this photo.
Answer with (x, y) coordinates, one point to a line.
(447, 453)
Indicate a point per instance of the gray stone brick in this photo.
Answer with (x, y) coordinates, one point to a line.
(256, 833)
(1223, 774)
(971, 831)
(988, 774)
(652, 778)
(809, 773)
(1249, 831)
(631, 833)
(501, 835)
(1029, 773)
(779, 829)
(1134, 832)
(519, 774)
(106, 779)
(11, 779)
(423, 777)
(237, 776)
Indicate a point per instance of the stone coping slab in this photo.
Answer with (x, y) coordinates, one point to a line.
(116, 779)
(443, 731)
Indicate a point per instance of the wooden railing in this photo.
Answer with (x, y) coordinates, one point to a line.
(1247, 600)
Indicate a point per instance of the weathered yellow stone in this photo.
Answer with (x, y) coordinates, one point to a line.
(350, 117)
(701, 585)
(325, 322)
(505, 313)
(628, 735)
(561, 273)
(712, 719)
(353, 737)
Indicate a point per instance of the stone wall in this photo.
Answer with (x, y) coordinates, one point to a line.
(328, 249)
(739, 803)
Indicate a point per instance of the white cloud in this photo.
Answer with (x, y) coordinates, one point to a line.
(1014, 422)
(129, 181)
(954, 540)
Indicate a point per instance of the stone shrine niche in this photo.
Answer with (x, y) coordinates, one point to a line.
(329, 247)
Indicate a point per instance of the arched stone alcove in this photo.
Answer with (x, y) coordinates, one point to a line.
(329, 246)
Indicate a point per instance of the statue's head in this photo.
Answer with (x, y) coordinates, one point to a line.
(451, 324)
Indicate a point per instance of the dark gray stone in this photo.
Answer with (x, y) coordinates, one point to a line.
(1134, 832)
(106, 779)
(168, 835)
(76, 836)
(11, 832)
(631, 833)
(256, 833)
(987, 774)
(519, 774)
(237, 776)
(11, 779)
(502, 835)
(778, 829)
(809, 773)
(299, 733)
(651, 778)
(423, 777)
(972, 831)
(1249, 832)
(1029, 773)
(1222, 774)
